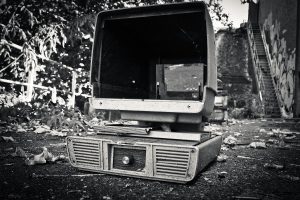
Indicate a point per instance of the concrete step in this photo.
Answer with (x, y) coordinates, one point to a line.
(269, 85)
(265, 70)
(267, 79)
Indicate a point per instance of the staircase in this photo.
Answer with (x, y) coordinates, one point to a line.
(262, 72)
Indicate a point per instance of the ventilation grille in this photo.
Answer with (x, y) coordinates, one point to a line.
(172, 162)
(86, 153)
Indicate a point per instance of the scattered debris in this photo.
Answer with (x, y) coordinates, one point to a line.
(230, 140)
(222, 158)
(84, 197)
(170, 189)
(222, 174)
(58, 133)
(246, 157)
(8, 164)
(273, 166)
(43, 158)
(42, 129)
(237, 134)
(272, 141)
(106, 197)
(271, 134)
(292, 178)
(212, 128)
(20, 129)
(258, 145)
(283, 145)
(243, 142)
(290, 137)
(59, 145)
(206, 179)
(294, 165)
(245, 198)
(224, 148)
(19, 153)
(9, 149)
(262, 130)
(64, 175)
(8, 139)
(285, 132)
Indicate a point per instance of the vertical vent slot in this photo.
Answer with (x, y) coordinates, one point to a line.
(171, 162)
(86, 153)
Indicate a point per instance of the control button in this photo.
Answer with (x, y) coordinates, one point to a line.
(126, 160)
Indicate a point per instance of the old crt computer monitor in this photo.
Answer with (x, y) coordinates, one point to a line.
(155, 65)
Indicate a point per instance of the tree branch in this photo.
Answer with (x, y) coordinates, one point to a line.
(11, 63)
(18, 47)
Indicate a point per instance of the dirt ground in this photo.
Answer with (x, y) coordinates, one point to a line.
(246, 174)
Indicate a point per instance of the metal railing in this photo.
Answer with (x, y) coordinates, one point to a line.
(257, 67)
(276, 89)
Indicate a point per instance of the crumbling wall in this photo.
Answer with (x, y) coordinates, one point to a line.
(234, 69)
(278, 22)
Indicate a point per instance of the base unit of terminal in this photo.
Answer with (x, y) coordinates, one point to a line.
(157, 159)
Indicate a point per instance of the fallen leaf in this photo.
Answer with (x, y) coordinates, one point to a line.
(43, 158)
(237, 134)
(230, 140)
(245, 157)
(294, 165)
(42, 129)
(271, 134)
(262, 130)
(206, 179)
(58, 133)
(224, 148)
(292, 178)
(222, 158)
(258, 145)
(20, 129)
(19, 153)
(273, 141)
(59, 158)
(8, 139)
(8, 164)
(36, 159)
(273, 166)
(290, 137)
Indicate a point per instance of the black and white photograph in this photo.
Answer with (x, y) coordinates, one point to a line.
(150, 99)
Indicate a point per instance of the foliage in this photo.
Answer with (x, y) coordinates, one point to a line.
(62, 118)
(251, 108)
(45, 29)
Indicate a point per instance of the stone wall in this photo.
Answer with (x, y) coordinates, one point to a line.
(235, 68)
(278, 20)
